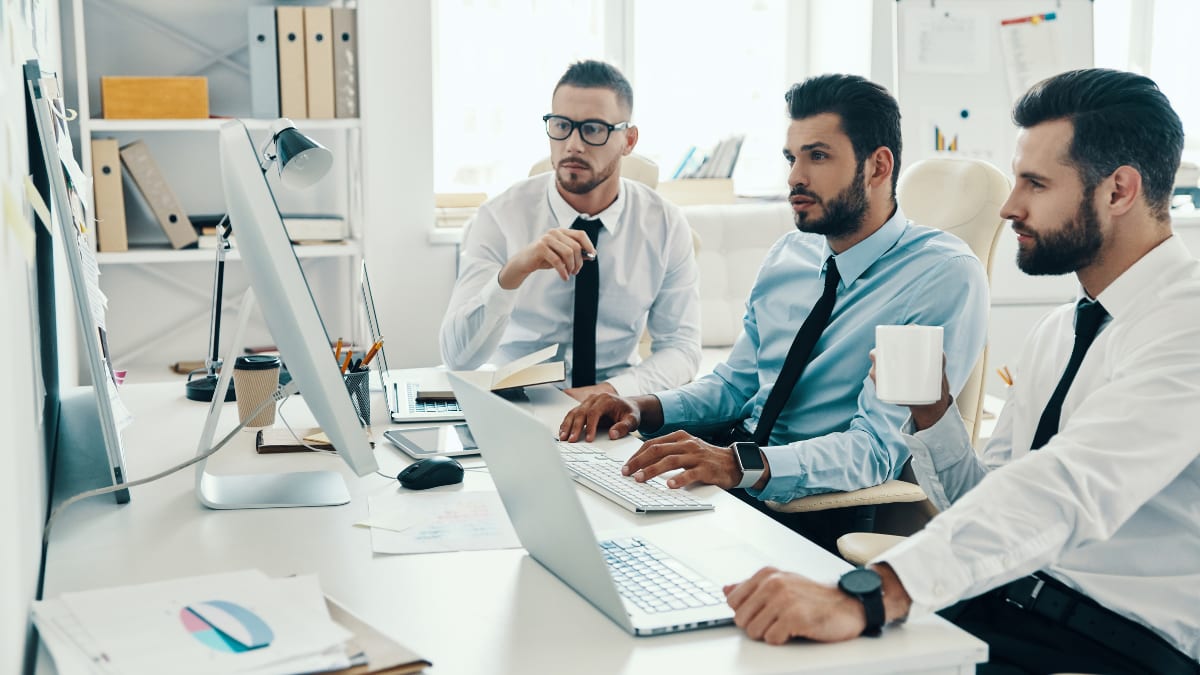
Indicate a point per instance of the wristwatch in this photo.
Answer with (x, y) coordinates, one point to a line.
(867, 586)
(750, 461)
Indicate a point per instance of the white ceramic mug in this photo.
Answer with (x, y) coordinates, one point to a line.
(908, 364)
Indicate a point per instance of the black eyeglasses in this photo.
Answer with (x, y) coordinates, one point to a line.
(592, 132)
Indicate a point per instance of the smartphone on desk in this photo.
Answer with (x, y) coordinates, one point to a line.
(448, 440)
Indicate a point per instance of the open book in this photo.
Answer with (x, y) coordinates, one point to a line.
(524, 372)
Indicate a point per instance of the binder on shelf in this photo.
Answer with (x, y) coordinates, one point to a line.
(318, 59)
(345, 62)
(110, 196)
(158, 194)
(293, 90)
(264, 63)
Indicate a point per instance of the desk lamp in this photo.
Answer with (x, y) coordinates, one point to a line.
(302, 162)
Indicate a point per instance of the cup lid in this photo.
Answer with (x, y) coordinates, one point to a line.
(256, 362)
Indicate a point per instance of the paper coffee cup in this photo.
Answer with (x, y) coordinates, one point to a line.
(255, 378)
(908, 364)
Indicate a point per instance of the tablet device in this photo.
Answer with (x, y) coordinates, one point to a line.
(440, 441)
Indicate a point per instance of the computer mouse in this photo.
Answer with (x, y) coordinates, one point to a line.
(431, 472)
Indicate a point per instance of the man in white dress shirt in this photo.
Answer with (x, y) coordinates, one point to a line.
(581, 257)
(1072, 542)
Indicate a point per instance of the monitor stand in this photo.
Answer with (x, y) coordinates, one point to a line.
(258, 491)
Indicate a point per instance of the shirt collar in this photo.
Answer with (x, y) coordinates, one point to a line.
(565, 214)
(855, 260)
(1149, 273)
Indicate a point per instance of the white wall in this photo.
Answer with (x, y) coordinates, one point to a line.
(23, 481)
(412, 278)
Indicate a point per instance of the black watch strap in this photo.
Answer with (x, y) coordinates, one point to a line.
(867, 587)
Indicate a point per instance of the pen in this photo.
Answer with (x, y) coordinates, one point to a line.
(589, 255)
(346, 363)
(357, 367)
(337, 352)
(371, 352)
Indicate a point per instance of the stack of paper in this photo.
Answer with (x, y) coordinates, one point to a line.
(240, 622)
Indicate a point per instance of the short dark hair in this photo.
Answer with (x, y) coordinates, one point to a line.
(589, 74)
(870, 115)
(1119, 119)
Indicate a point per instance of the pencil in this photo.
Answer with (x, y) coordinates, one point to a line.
(371, 352)
(346, 363)
(337, 352)
(1005, 375)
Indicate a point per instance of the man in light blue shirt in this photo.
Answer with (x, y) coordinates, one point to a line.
(833, 433)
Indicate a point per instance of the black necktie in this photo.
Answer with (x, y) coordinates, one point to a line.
(1088, 317)
(798, 355)
(587, 301)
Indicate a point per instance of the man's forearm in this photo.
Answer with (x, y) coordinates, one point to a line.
(896, 602)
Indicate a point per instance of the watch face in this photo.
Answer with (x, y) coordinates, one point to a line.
(749, 456)
(860, 582)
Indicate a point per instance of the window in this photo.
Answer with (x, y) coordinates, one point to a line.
(495, 65)
(729, 55)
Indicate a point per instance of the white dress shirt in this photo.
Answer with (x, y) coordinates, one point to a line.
(1111, 504)
(648, 279)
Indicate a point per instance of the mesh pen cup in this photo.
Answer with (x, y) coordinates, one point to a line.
(255, 378)
(359, 386)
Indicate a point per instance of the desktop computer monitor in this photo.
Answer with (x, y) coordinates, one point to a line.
(283, 294)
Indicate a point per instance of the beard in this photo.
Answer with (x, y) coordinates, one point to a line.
(578, 186)
(1072, 247)
(844, 214)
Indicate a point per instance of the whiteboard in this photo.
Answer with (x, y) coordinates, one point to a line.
(962, 64)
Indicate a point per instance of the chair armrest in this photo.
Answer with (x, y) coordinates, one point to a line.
(863, 547)
(891, 492)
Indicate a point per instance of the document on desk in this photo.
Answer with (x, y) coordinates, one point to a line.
(437, 522)
(235, 622)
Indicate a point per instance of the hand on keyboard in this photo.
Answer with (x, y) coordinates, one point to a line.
(702, 462)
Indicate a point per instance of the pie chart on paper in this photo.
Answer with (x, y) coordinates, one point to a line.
(225, 626)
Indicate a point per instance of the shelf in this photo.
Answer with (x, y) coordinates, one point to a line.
(163, 255)
(214, 124)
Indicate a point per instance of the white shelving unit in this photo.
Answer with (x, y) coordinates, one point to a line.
(159, 298)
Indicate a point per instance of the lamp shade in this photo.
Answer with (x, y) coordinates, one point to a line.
(302, 161)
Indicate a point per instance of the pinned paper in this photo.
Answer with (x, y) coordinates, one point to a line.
(18, 223)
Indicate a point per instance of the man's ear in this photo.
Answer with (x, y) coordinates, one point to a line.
(880, 165)
(1122, 190)
(631, 139)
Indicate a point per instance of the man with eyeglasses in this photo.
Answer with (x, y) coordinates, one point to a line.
(581, 258)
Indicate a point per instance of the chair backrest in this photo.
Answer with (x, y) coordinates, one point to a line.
(736, 238)
(633, 166)
(962, 197)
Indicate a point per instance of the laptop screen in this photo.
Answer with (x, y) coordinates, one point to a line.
(375, 334)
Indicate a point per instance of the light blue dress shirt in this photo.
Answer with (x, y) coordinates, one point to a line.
(834, 434)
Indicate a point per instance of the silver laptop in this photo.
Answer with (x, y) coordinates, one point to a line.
(400, 387)
(631, 581)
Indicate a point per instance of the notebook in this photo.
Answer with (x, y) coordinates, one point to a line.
(400, 387)
(539, 495)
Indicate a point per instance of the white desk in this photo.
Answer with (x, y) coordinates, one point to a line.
(468, 612)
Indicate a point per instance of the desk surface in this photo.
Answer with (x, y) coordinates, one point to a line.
(468, 612)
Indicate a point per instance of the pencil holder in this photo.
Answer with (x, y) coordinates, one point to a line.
(359, 386)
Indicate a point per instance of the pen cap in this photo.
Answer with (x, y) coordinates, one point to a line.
(255, 379)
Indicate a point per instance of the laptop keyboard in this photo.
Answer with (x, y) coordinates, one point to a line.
(593, 468)
(415, 406)
(653, 581)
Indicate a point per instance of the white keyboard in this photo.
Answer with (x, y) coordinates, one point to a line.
(592, 468)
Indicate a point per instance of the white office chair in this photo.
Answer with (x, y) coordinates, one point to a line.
(963, 197)
(633, 166)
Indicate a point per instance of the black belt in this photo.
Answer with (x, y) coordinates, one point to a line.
(1067, 607)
